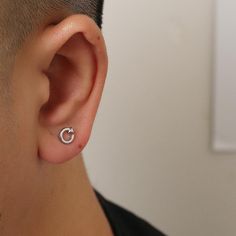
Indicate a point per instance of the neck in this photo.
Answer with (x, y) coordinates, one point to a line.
(63, 204)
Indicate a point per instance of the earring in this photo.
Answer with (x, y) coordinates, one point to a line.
(70, 132)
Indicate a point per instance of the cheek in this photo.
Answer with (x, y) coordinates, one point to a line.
(18, 159)
(18, 146)
(25, 131)
(25, 116)
(9, 149)
(6, 133)
(18, 132)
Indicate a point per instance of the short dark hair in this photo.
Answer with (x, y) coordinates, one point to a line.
(19, 18)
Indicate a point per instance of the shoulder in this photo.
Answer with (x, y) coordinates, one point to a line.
(125, 223)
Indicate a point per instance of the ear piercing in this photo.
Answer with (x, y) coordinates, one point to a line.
(70, 133)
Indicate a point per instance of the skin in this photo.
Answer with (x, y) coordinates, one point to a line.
(57, 81)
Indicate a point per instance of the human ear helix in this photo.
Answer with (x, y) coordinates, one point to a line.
(70, 133)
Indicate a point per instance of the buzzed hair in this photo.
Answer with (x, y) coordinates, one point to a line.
(19, 18)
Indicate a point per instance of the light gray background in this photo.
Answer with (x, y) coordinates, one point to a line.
(225, 77)
(150, 146)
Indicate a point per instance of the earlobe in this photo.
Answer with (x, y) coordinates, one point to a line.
(73, 57)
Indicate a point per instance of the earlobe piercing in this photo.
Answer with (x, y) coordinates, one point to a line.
(70, 132)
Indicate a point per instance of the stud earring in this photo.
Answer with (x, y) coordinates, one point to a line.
(70, 132)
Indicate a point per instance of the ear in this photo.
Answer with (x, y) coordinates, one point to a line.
(73, 57)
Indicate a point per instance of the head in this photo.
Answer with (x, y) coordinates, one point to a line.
(53, 65)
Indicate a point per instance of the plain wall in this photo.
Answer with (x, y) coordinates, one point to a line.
(150, 149)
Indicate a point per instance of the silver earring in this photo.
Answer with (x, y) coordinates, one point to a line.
(70, 132)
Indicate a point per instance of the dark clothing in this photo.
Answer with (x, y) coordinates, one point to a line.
(125, 223)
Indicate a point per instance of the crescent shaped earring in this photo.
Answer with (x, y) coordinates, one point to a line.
(70, 133)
